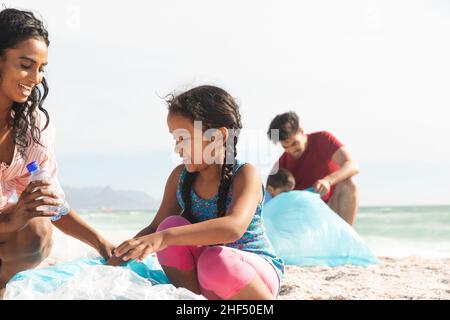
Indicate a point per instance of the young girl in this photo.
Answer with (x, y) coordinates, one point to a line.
(208, 232)
(26, 135)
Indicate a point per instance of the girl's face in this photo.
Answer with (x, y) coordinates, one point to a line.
(197, 152)
(22, 69)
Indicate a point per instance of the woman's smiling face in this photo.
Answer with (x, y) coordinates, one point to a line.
(22, 69)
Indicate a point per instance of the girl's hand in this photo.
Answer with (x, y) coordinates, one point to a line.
(140, 248)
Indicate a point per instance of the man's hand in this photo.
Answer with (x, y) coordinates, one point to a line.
(322, 187)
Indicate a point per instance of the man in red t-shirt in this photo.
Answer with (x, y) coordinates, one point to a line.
(317, 160)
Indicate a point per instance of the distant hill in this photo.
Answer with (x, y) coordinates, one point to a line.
(105, 198)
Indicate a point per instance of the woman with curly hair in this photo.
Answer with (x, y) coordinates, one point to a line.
(27, 135)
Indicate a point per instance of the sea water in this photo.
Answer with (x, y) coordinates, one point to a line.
(406, 231)
(389, 231)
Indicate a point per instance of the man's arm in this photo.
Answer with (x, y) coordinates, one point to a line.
(72, 225)
(347, 167)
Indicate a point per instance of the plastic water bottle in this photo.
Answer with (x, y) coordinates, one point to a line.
(38, 174)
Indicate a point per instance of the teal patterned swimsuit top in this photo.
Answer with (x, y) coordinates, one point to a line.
(254, 239)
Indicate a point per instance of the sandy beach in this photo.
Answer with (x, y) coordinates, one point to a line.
(399, 278)
(411, 277)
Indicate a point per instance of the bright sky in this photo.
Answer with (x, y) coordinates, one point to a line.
(374, 73)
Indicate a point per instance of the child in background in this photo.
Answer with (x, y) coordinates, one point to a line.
(282, 181)
(208, 232)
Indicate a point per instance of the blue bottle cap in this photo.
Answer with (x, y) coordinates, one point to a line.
(32, 167)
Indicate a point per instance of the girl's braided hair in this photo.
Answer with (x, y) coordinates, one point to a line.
(215, 108)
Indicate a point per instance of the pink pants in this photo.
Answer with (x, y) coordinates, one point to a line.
(221, 271)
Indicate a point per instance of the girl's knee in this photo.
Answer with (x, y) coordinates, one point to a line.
(179, 257)
(172, 221)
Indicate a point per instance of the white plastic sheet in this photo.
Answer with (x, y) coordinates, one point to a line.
(99, 283)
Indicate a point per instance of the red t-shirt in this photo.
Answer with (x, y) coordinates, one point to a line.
(315, 163)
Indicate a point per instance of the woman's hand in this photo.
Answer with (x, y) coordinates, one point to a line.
(105, 249)
(140, 248)
(36, 194)
(114, 261)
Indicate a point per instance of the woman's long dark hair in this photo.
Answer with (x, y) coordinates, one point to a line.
(216, 109)
(17, 26)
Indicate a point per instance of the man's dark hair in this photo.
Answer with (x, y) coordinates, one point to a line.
(282, 179)
(287, 124)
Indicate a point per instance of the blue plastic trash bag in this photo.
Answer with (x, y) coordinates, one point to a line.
(304, 231)
(267, 197)
(91, 279)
